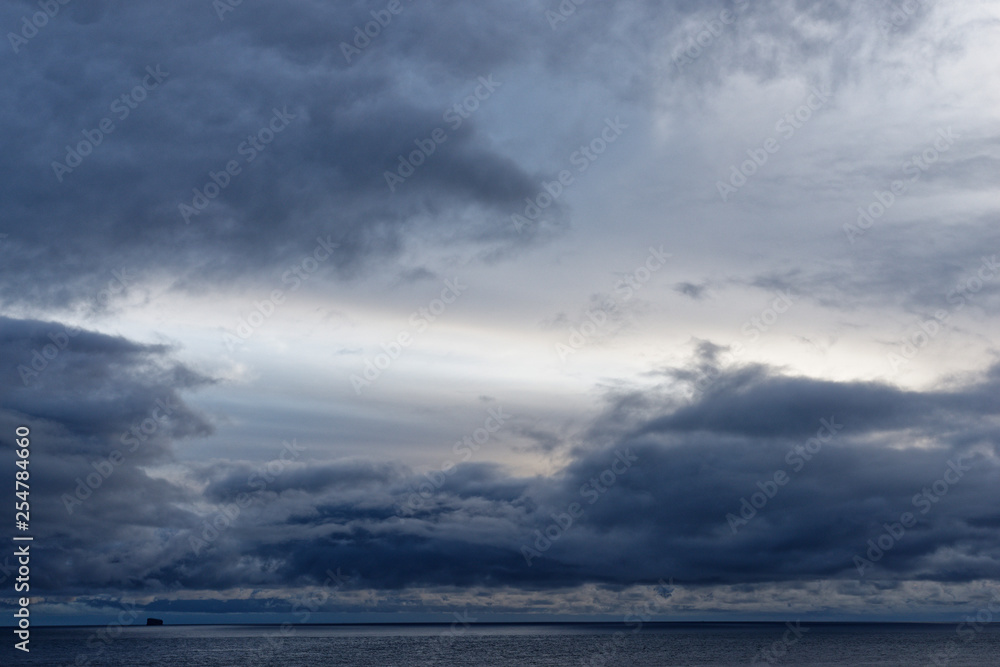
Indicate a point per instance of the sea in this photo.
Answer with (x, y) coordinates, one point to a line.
(488, 645)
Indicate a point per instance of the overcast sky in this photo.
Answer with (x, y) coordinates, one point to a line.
(521, 309)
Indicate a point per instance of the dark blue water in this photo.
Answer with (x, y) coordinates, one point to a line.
(655, 644)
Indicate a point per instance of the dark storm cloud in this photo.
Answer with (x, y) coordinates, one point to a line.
(100, 409)
(343, 125)
(92, 383)
(694, 472)
(653, 489)
(195, 88)
(752, 402)
(668, 513)
(675, 478)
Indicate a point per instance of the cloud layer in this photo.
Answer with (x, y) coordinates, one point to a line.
(200, 441)
(761, 478)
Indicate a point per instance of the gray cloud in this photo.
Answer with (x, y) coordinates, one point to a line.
(322, 174)
(679, 470)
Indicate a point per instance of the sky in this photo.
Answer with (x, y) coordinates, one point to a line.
(390, 311)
